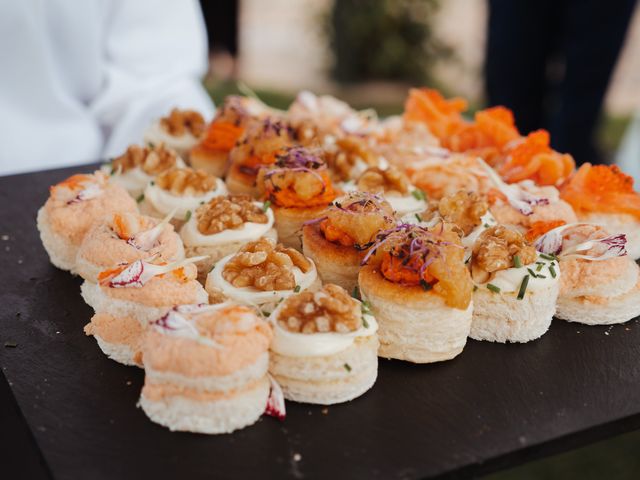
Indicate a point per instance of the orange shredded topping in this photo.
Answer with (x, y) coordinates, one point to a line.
(394, 270)
(112, 272)
(601, 188)
(335, 235)
(288, 197)
(537, 229)
(120, 227)
(180, 274)
(221, 136)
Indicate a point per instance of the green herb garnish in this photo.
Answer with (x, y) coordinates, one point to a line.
(365, 324)
(493, 288)
(475, 287)
(523, 287)
(486, 225)
(266, 205)
(418, 217)
(140, 198)
(356, 293)
(516, 261)
(418, 194)
(426, 286)
(539, 267)
(547, 257)
(187, 216)
(151, 145)
(297, 288)
(532, 273)
(265, 313)
(552, 271)
(347, 367)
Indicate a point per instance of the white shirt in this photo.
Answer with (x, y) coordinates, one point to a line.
(80, 80)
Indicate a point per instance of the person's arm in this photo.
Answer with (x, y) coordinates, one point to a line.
(155, 53)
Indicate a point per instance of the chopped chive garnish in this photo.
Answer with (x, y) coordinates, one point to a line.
(486, 225)
(140, 198)
(266, 205)
(151, 145)
(113, 171)
(347, 367)
(426, 286)
(265, 313)
(516, 261)
(418, 194)
(523, 287)
(418, 217)
(539, 263)
(532, 273)
(493, 288)
(547, 257)
(356, 292)
(153, 182)
(541, 276)
(552, 271)
(187, 216)
(539, 267)
(297, 288)
(475, 287)
(365, 324)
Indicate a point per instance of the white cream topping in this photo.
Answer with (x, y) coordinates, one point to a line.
(251, 296)
(155, 134)
(165, 202)
(293, 344)
(249, 231)
(509, 280)
(135, 179)
(486, 221)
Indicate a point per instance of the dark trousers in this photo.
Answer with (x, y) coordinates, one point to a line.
(551, 61)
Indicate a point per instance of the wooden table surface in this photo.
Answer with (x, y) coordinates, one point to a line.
(493, 407)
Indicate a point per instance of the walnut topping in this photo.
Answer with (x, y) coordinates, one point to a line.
(228, 212)
(378, 180)
(179, 122)
(152, 160)
(350, 150)
(465, 209)
(328, 310)
(495, 249)
(266, 266)
(187, 181)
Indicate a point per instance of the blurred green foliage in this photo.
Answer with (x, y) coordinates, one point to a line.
(383, 40)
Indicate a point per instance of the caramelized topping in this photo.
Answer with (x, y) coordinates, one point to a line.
(187, 181)
(355, 219)
(228, 212)
(180, 122)
(348, 153)
(378, 180)
(151, 160)
(495, 250)
(330, 309)
(266, 266)
(464, 209)
(261, 142)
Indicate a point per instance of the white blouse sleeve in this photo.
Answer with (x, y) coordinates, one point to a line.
(155, 55)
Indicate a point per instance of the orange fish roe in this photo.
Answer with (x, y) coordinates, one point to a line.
(537, 229)
(498, 124)
(221, 136)
(601, 188)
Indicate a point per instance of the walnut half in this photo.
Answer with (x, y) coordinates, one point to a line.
(187, 181)
(495, 249)
(465, 209)
(266, 266)
(228, 212)
(330, 309)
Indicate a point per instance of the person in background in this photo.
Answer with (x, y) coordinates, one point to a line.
(221, 18)
(81, 80)
(550, 61)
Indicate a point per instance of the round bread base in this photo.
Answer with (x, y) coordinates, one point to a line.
(503, 318)
(612, 310)
(214, 163)
(336, 264)
(414, 325)
(330, 379)
(146, 208)
(119, 352)
(237, 183)
(62, 253)
(289, 223)
(212, 417)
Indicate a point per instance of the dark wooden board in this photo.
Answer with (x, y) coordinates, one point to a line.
(494, 406)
